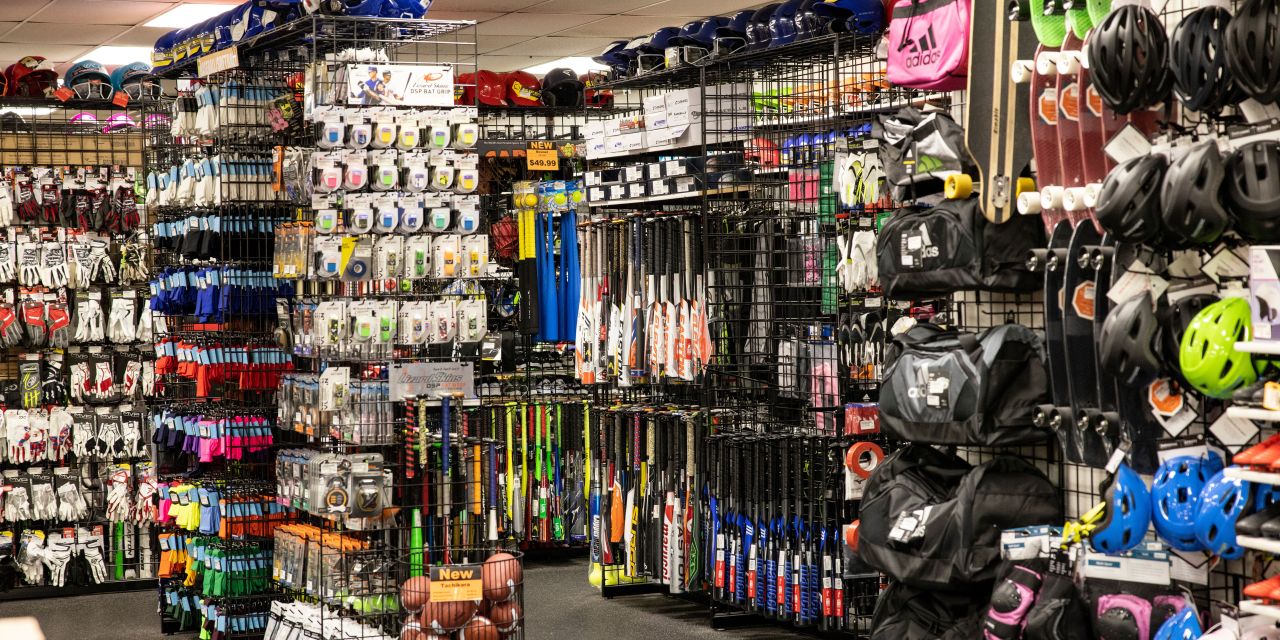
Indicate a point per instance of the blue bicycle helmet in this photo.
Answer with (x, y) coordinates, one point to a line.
(1183, 625)
(782, 23)
(759, 36)
(1175, 498)
(1222, 502)
(1127, 515)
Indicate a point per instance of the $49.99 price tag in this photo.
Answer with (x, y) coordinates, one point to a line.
(542, 156)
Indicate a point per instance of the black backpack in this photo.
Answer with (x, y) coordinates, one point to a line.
(932, 521)
(906, 613)
(949, 387)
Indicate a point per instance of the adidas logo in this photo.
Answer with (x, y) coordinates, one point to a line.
(924, 50)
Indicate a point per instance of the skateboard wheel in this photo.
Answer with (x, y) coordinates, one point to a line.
(1047, 63)
(1021, 70)
(1029, 203)
(1068, 63)
(1091, 192)
(1073, 199)
(1025, 185)
(1051, 197)
(958, 186)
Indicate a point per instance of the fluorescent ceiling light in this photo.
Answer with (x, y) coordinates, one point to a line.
(185, 15)
(579, 64)
(111, 55)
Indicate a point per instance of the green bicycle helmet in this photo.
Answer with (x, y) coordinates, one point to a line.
(1208, 357)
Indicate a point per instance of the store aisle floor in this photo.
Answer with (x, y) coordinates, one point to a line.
(560, 605)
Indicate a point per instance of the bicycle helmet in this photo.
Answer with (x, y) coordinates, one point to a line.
(1253, 49)
(1183, 625)
(1127, 513)
(1191, 200)
(1175, 498)
(1208, 356)
(1251, 190)
(1174, 320)
(1129, 59)
(1201, 79)
(1129, 201)
(759, 35)
(1222, 502)
(1126, 346)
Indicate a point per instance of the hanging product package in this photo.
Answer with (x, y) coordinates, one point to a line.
(932, 521)
(919, 150)
(954, 388)
(952, 247)
(928, 44)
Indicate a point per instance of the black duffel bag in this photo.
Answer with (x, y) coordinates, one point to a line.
(932, 521)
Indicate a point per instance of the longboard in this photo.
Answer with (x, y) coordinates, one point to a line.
(1067, 193)
(1043, 115)
(1078, 342)
(1092, 140)
(996, 133)
(1051, 262)
(1107, 422)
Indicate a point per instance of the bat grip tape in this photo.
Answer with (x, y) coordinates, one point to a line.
(856, 458)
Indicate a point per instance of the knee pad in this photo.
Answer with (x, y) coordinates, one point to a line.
(1123, 617)
(1010, 603)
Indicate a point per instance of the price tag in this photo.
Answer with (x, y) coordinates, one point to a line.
(120, 99)
(542, 156)
(456, 583)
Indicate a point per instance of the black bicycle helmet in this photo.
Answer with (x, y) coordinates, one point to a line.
(1174, 319)
(1129, 200)
(1126, 349)
(1192, 203)
(1201, 79)
(1253, 49)
(1251, 190)
(1129, 59)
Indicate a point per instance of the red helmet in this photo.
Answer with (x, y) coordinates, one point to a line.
(491, 88)
(464, 89)
(523, 89)
(602, 98)
(31, 77)
(762, 150)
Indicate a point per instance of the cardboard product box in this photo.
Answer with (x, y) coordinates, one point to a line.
(614, 145)
(653, 171)
(633, 173)
(683, 166)
(660, 186)
(687, 184)
(613, 127)
(597, 194)
(1264, 291)
(637, 189)
(632, 141)
(617, 191)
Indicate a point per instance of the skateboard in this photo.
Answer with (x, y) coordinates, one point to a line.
(1092, 135)
(1043, 114)
(1106, 422)
(996, 134)
(1067, 193)
(1051, 261)
(1078, 342)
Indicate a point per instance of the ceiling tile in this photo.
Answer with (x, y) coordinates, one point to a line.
(704, 7)
(593, 6)
(47, 32)
(627, 26)
(18, 10)
(487, 44)
(102, 11)
(533, 24)
(478, 16)
(555, 46)
(502, 6)
(56, 53)
(510, 63)
(140, 36)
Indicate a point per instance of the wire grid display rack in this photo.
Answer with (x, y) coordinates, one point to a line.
(53, 154)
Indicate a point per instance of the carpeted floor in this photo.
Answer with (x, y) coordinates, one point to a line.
(559, 604)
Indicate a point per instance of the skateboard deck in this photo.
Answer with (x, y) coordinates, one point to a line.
(1043, 112)
(1107, 423)
(1068, 192)
(997, 134)
(1079, 344)
(1092, 141)
(1051, 263)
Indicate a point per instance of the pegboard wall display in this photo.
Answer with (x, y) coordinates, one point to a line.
(927, 320)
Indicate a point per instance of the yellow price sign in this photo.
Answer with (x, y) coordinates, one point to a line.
(456, 583)
(542, 155)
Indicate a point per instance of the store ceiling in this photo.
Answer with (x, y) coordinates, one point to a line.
(512, 34)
